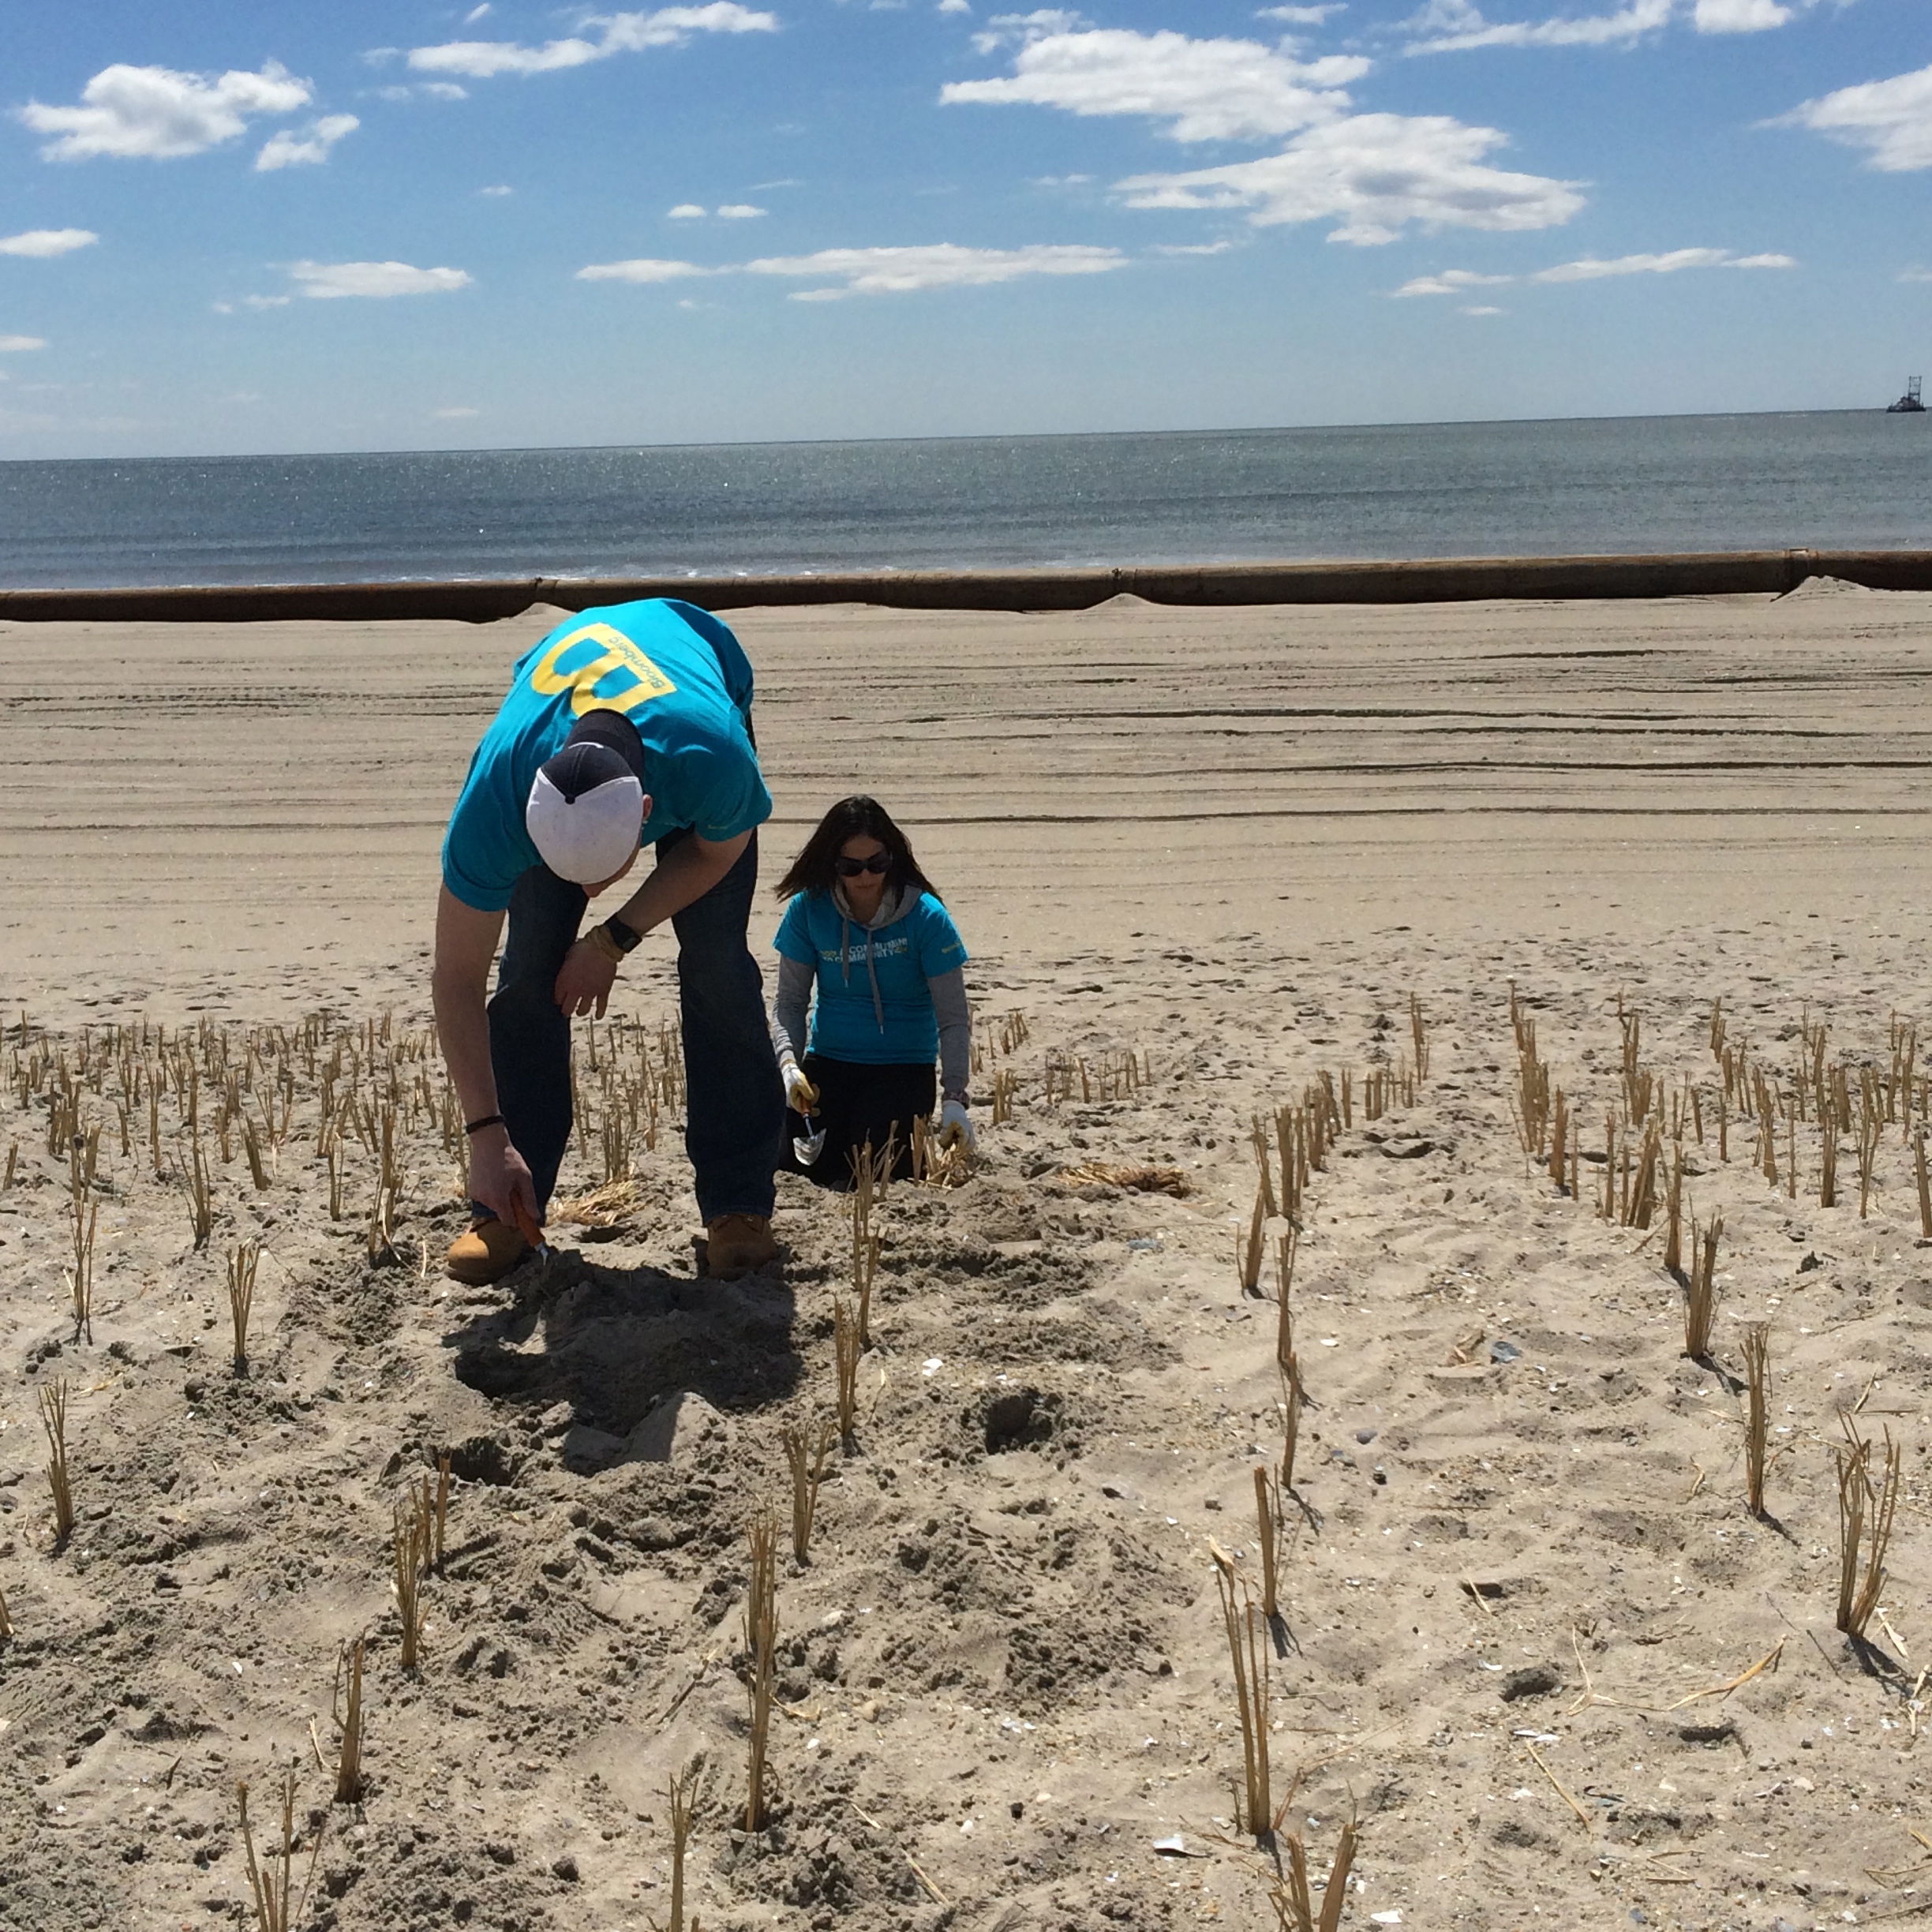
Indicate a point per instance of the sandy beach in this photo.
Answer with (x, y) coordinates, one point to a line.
(1531, 1637)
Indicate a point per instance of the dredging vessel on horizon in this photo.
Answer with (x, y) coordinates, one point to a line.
(1910, 403)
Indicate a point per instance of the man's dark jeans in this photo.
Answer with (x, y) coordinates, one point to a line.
(735, 1108)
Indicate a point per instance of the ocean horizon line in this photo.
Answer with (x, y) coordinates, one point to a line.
(960, 437)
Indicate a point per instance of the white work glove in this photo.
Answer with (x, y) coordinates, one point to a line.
(955, 1128)
(800, 1094)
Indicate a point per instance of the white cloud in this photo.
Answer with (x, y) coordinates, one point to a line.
(616, 33)
(1206, 90)
(1740, 16)
(496, 191)
(1590, 269)
(310, 148)
(955, 6)
(1009, 29)
(643, 270)
(460, 414)
(1916, 275)
(1891, 118)
(43, 244)
(1450, 281)
(1301, 16)
(1480, 308)
(19, 345)
(1195, 248)
(1452, 26)
(739, 211)
(688, 211)
(476, 14)
(1459, 281)
(155, 114)
(907, 271)
(329, 280)
(422, 90)
(1374, 174)
(265, 302)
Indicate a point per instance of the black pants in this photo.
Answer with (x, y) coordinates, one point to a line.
(857, 1103)
(733, 1106)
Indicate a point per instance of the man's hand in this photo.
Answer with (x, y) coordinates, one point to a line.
(584, 984)
(500, 1179)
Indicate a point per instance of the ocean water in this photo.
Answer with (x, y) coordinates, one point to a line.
(1843, 479)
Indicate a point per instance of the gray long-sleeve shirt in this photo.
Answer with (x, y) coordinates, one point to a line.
(950, 1009)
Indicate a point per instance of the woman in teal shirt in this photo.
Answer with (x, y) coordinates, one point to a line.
(866, 943)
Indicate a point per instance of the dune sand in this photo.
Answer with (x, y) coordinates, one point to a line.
(1517, 1569)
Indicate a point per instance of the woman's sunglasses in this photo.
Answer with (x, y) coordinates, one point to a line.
(851, 868)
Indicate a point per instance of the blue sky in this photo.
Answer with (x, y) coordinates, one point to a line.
(229, 227)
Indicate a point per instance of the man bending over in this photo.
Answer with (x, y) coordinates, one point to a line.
(625, 725)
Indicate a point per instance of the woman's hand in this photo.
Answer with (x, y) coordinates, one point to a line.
(801, 1095)
(499, 1180)
(583, 985)
(956, 1128)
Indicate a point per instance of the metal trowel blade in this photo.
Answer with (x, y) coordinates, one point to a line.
(809, 1148)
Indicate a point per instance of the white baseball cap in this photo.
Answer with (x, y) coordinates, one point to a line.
(585, 811)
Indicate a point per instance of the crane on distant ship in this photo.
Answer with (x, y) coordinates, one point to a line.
(1909, 404)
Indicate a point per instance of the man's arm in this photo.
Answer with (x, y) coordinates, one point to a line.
(683, 875)
(465, 944)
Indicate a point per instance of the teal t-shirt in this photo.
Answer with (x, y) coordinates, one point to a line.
(900, 1029)
(679, 676)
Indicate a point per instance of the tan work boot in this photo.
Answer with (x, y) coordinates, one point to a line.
(735, 1242)
(486, 1253)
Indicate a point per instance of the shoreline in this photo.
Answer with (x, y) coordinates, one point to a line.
(1412, 581)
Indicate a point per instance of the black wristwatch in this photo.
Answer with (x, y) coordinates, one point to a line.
(621, 937)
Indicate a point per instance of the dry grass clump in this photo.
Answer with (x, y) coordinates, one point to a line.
(761, 1627)
(1005, 1084)
(1700, 1297)
(411, 1553)
(1249, 1253)
(53, 1420)
(85, 1208)
(871, 1174)
(347, 1714)
(846, 1349)
(1866, 1508)
(1248, 1652)
(934, 1166)
(683, 1802)
(6, 1622)
(278, 1907)
(1757, 1351)
(1113, 1076)
(1294, 1898)
(1286, 1246)
(435, 1508)
(1134, 1178)
(1267, 1516)
(200, 1195)
(242, 1261)
(610, 1204)
(806, 1453)
(1291, 1420)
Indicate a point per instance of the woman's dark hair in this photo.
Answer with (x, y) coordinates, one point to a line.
(813, 870)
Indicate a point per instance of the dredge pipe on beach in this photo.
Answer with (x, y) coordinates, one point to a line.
(1447, 580)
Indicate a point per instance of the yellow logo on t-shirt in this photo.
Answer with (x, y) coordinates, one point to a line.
(609, 674)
